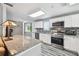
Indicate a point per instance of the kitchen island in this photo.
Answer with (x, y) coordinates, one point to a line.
(23, 46)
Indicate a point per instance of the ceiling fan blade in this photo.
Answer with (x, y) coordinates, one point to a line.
(9, 4)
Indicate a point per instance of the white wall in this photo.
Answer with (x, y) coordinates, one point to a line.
(18, 30)
(0, 20)
(3, 17)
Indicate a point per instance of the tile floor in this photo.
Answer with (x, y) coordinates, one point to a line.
(55, 50)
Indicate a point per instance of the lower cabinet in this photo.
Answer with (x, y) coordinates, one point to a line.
(33, 51)
(46, 38)
(33, 35)
(77, 44)
(70, 43)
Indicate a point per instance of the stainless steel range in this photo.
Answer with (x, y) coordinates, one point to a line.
(57, 31)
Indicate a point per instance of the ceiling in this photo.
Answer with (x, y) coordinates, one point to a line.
(21, 11)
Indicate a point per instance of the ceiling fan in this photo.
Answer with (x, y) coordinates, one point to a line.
(9, 4)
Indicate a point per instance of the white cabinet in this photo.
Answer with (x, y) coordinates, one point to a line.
(56, 20)
(75, 20)
(36, 25)
(39, 24)
(60, 19)
(68, 21)
(51, 21)
(45, 38)
(77, 44)
(72, 20)
(33, 51)
(67, 43)
(73, 43)
(70, 43)
(33, 35)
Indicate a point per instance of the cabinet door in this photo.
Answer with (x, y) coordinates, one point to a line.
(70, 43)
(45, 38)
(41, 37)
(56, 20)
(33, 35)
(68, 21)
(35, 25)
(60, 19)
(39, 24)
(77, 44)
(51, 21)
(75, 20)
(67, 43)
(73, 44)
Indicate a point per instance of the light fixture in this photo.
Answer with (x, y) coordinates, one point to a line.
(36, 14)
(9, 24)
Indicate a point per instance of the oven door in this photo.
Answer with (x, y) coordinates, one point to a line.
(36, 35)
(58, 41)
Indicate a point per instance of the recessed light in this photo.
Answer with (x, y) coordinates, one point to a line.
(36, 14)
(72, 3)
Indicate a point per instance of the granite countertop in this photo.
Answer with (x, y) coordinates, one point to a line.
(44, 32)
(20, 43)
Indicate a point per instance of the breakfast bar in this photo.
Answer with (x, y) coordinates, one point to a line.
(23, 46)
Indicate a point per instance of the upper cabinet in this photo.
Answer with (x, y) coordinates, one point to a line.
(39, 24)
(72, 20)
(75, 20)
(68, 21)
(52, 21)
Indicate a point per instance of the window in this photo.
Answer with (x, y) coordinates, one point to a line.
(28, 27)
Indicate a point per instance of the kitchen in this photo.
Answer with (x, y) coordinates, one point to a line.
(69, 40)
(61, 30)
(56, 35)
